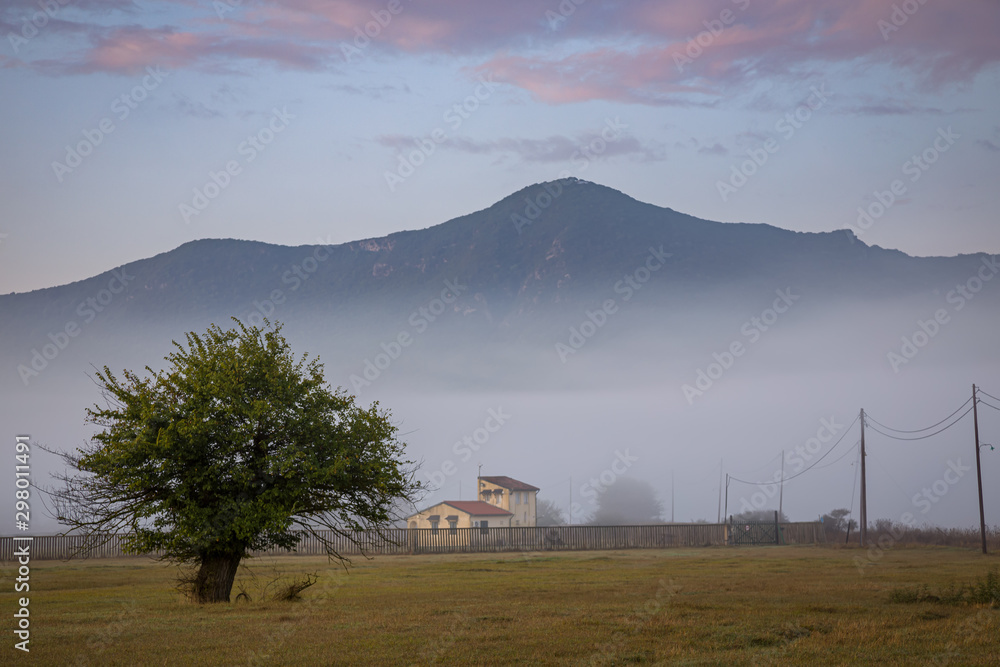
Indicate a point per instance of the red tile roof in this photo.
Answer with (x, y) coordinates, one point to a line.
(510, 483)
(477, 507)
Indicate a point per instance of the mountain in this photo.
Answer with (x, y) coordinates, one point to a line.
(527, 269)
(549, 244)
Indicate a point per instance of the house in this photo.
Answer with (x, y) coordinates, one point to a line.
(455, 514)
(507, 493)
(503, 502)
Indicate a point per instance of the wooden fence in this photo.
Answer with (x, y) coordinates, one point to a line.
(461, 540)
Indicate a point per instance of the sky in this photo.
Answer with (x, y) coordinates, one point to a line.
(130, 128)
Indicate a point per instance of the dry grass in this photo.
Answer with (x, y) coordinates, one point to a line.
(765, 605)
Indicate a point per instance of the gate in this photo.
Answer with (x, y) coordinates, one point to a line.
(754, 532)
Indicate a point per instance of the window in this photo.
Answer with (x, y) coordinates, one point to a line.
(453, 525)
(484, 526)
(434, 521)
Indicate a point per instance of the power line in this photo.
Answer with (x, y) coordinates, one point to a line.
(841, 457)
(919, 430)
(788, 479)
(980, 390)
(989, 405)
(924, 437)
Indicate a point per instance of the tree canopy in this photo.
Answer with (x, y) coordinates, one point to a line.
(235, 446)
(628, 501)
(547, 513)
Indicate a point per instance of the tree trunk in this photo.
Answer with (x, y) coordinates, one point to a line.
(214, 581)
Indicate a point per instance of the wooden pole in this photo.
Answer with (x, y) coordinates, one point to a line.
(781, 489)
(727, 495)
(864, 485)
(979, 469)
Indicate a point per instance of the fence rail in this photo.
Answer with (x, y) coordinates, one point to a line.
(460, 540)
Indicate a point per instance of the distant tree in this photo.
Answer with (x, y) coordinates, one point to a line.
(236, 446)
(547, 513)
(628, 501)
(837, 521)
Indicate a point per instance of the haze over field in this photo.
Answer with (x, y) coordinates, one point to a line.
(667, 345)
(506, 215)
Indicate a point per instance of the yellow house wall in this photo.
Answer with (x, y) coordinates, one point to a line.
(524, 513)
(444, 511)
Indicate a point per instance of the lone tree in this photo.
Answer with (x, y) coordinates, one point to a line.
(547, 513)
(236, 446)
(628, 501)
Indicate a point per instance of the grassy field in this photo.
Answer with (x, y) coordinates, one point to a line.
(762, 606)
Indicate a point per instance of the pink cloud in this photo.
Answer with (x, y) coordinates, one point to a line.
(771, 37)
(610, 50)
(131, 49)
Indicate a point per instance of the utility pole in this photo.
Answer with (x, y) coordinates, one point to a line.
(718, 516)
(864, 494)
(781, 489)
(727, 494)
(671, 496)
(570, 512)
(979, 469)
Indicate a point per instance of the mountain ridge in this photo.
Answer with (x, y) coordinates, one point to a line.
(558, 244)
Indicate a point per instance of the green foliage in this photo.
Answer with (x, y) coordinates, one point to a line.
(235, 446)
(983, 591)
